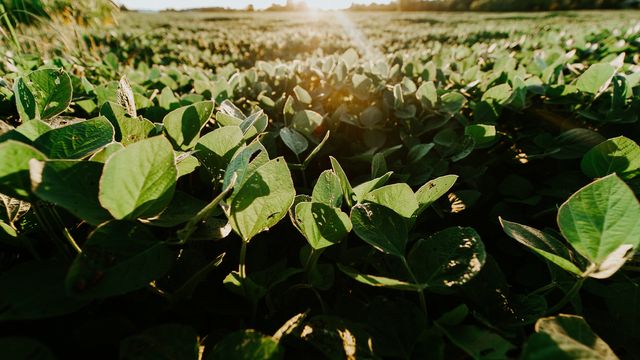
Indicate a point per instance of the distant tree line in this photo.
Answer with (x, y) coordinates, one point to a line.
(498, 5)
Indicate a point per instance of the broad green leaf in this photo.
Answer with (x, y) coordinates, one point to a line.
(601, 221)
(37, 292)
(302, 95)
(246, 345)
(327, 189)
(380, 227)
(242, 165)
(262, 200)
(363, 189)
(596, 79)
(499, 94)
(186, 164)
(448, 258)
(427, 94)
(295, 141)
(619, 155)
(77, 140)
(184, 124)
(183, 207)
(452, 102)
(433, 190)
(33, 129)
(482, 134)
(128, 130)
(170, 341)
(307, 122)
(254, 124)
(43, 94)
(321, 224)
(397, 197)
(117, 258)
(542, 243)
(139, 181)
(347, 190)
(215, 149)
(566, 337)
(51, 181)
(103, 154)
(379, 281)
(14, 168)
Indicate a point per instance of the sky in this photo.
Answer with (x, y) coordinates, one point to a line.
(239, 4)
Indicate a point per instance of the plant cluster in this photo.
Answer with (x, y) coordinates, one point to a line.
(467, 195)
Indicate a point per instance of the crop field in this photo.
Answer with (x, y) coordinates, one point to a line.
(320, 185)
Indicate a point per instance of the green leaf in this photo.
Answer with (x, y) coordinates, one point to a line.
(380, 227)
(347, 190)
(117, 258)
(262, 200)
(307, 123)
(128, 130)
(379, 281)
(246, 345)
(170, 341)
(321, 224)
(363, 189)
(215, 149)
(397, 197)
(43, 94)
(37, 292)
(483, 135)
(596, 79)
(452, 102)
(427, 94)
(51, 181)
(433, 190)
(542, 243)
(327, 189)
(184, 124)
(499, 94)
(103, 154)
(139, 180)
(77, 140)
(14, 168)
(619, 155)
(183, 207)
(451, 257)
(601, 221)
(33, 129)
(244, 163)
(566, 337)
(302, 95)
(295, 141)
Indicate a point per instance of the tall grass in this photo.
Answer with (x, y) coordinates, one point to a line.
(33, 25)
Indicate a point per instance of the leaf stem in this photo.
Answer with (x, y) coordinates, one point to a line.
(423, 301)
(242, 271)
(568, 296)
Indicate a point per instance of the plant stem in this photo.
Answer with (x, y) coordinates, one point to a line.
(568, 296)
(545, 288)
(423, 301)
(242, 263)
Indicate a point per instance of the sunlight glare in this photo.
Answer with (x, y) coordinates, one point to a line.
(328, 4)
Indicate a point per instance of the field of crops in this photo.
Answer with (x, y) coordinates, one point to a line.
(321, 186)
